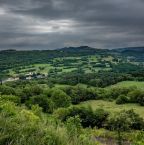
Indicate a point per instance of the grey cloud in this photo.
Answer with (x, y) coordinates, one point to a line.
(49, 24)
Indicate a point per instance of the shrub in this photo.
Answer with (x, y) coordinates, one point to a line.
(100, 118)
(11, 98)
(79, 93)
(30, 91)
(122, 99)
(60, 99)
(136, 121)
(137, 96)
(89, 118)
(43, 101)
(140, 99)
(120, 123)
(73, 125)
(6, 90)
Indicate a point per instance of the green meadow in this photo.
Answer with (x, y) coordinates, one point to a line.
(137, 84)
(112, 107)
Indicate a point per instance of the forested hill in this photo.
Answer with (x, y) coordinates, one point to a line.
(137, 52)
(38, 55)
(66, 51)
(82, 50)
(12, 58)
(132, 49)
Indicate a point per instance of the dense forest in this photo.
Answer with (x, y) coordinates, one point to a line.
(72, 96)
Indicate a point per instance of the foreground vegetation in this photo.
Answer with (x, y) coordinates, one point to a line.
(20, 126)
(34, 102)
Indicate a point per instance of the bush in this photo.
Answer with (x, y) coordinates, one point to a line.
(124, 121)
(120, 123)
(89, 118)
(133, 95)
(6, 90)
(137, 96)
(133, 119)
(79, 93)
(11, 98)
(43, 101)
(60, 99)
(30, 91)
(137, 121)
(73, 125)
(140, 99)
(117, 91)
(122, 99)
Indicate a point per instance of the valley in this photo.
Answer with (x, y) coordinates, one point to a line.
(72, 96)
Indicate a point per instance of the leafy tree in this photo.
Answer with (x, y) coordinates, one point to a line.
(74, 127)
(89, 118)
(122, 99)
(11, 98)
(6, 90)
(60, 98)
(120, 123)
(43, 101)
(137, 96)
(137, 122)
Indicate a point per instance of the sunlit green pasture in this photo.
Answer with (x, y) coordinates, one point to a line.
(139, 85)
(112, 107)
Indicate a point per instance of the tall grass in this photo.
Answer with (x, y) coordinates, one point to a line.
(19, 126)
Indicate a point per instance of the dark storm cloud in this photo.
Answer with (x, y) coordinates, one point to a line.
(49, 24)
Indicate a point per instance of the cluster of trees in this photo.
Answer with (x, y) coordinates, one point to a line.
(81, 93)
(30, 93)
(127, 68)
(119, 72)
(128, 95)
(120, 122)
(39, 98)
(89, 118)
(100, 118)
(100, 79)
(48, 99)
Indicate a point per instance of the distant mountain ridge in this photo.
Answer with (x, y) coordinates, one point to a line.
(82, 48)
(88, 49)
(133, 49)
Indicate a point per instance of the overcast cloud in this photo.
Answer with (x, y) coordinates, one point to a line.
(51, 24)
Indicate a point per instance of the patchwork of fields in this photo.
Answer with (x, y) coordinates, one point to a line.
(88, 64)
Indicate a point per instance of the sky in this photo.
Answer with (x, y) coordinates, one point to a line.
(52, 24)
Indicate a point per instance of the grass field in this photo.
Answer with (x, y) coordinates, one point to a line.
(139, 85)
(112, 107)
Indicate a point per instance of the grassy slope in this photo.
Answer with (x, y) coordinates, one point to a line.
(139, 85)
(113, 107)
